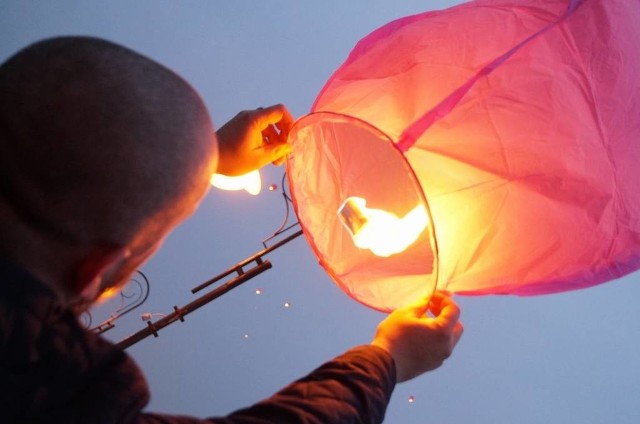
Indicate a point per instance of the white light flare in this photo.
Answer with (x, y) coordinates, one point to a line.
(380, 231)
(251, 182)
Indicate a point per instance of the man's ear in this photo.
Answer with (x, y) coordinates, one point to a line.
(99, 262)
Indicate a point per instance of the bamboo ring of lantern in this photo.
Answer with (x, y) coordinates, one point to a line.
(520, 145)
(341, 205)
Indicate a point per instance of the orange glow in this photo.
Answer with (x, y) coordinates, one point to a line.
(107, 294)
(251, 182)
(380, 231)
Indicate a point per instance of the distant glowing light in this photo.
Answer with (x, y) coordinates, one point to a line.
(411, 399)
(273, 187)
(246, 336)
(287, 304)
(380, 231)
(148, 316)
(258, 291)
(250, 182)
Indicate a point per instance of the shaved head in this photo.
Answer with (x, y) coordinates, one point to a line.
(99, 145)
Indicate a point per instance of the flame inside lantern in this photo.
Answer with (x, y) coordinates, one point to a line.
(251, 182)
(380, 231)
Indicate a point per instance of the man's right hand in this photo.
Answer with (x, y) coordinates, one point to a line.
(252, 139)
(419, 343)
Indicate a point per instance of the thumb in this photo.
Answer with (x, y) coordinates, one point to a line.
(446, 312)
(275, 152)
(417, 308)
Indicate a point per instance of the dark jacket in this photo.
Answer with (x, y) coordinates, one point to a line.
(54, 371)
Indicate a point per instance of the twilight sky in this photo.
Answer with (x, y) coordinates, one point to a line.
(567, 358)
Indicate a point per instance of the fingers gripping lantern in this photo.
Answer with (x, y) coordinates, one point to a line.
(509, 131)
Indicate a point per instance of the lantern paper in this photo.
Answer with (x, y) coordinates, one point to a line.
(514, 124)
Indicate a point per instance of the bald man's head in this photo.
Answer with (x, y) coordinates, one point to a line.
(99, 143)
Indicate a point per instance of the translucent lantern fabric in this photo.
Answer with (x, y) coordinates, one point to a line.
(516, 124)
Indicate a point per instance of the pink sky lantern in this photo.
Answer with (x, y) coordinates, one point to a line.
(489, 148)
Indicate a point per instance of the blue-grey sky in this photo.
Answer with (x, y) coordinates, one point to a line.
(567, 358)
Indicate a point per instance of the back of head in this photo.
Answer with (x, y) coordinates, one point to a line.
(98, 142)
